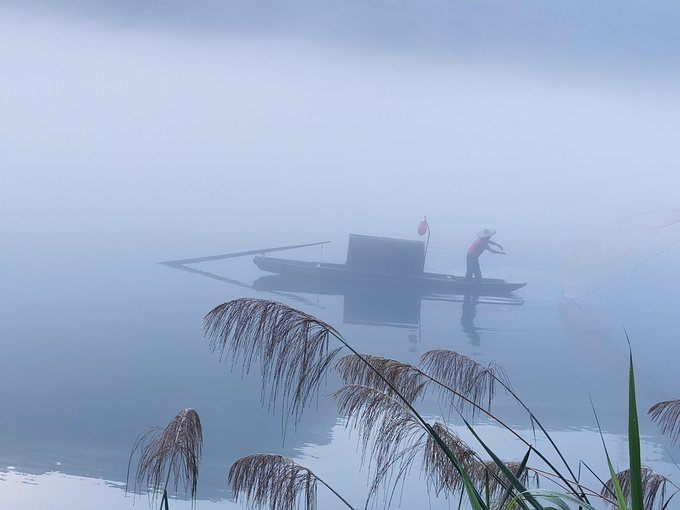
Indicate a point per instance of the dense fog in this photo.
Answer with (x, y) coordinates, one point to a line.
(138, 132)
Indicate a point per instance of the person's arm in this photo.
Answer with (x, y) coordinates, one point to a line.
(489, 248)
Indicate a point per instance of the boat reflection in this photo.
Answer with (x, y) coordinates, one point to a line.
(396, 306)
(362, 303)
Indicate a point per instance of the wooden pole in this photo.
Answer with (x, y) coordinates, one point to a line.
(238, 254)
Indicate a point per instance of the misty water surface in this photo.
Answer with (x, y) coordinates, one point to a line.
(124, 146)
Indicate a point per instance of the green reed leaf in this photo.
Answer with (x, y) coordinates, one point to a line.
(620, 497)
(518, 474)
(556, 498)
(636, 495)
(514, 481)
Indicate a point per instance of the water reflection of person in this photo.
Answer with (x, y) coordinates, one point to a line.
(467, 319)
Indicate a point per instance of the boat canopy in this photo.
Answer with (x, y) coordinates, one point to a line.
(385, 255)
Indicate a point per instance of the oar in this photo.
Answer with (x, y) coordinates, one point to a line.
(238, 254)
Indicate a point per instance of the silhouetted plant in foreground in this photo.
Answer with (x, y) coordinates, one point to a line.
(173, 452)
(275, 482)
(379, 399)
(294, 353)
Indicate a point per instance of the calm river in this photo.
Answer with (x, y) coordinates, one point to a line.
(99, 344)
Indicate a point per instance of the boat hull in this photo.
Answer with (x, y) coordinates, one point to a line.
(424, 282)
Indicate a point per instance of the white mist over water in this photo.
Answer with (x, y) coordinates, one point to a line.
(115, 135)
(620, 247)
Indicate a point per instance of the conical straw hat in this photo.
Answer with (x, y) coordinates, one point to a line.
(487, 232)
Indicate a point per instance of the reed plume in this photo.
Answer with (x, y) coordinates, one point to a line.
(654, 486)
(667, 415)
(464, 375)
(267, 480)
(174, 451)
(390, 435)
(403, 378)
(392, 439)
(291, 346)
(377, 415)
(407, 380)
(441, 474)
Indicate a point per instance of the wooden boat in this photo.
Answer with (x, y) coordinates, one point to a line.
(380, 261)
(429, 282)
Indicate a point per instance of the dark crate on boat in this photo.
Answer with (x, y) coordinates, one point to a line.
(384, 255)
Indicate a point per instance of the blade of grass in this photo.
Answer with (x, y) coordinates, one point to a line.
(520, 469)
(623, 505)
(597, 477)
(636, 495)
(668, 501)
(519, 487)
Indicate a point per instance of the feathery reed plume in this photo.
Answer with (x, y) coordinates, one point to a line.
(392, 437)
(291, 346)
(462, 374)
(408, 380)
(398, 377)
(389, 433)
(440, 473)
(267, 480)
(654, 487)
(486, 475)
(171, 452)
(383, 422)
(405, 378)
(667, 414)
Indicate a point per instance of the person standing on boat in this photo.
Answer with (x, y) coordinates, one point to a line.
(478, 247)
